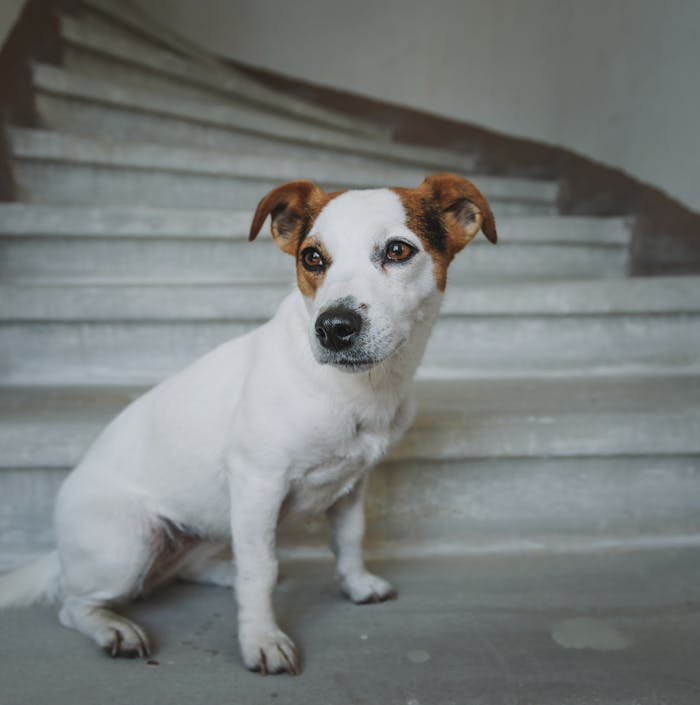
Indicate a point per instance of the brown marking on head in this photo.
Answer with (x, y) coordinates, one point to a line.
(446, 211)
(309, 280)
(293, 208)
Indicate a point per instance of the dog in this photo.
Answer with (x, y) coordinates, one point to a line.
(278, 424)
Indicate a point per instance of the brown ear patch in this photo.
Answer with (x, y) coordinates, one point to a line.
(446, 211)
(464, 208)
(292, 208)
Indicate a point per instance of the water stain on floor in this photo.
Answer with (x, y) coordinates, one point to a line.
(418, 656)
(589, 633)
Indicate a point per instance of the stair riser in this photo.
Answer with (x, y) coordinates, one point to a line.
(62, 183)
(481, 502)
(89, 63)
(113, 123)
(145, 352)
(458, 506)
(558, 345)
(77, 184)
(119, 259)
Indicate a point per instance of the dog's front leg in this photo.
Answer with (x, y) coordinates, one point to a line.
(347, 519)
(255, 506)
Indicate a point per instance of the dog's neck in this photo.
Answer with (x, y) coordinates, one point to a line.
(391, 378)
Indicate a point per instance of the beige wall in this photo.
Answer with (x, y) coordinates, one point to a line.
(616, 80)
(9, 12)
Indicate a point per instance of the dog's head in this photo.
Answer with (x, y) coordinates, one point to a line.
(368, 261)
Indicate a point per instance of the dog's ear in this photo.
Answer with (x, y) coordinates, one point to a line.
(292, 208)
(464, 209)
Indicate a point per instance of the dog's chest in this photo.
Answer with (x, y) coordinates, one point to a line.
(333, 467)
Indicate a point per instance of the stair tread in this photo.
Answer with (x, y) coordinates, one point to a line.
(258, 301)
(19, 219)
(60, 147)
(57, 81)
(456, 419)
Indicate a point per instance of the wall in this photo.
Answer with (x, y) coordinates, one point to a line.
(615, 81)
(9, 12)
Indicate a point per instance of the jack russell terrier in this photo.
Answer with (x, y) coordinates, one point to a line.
(278, 424)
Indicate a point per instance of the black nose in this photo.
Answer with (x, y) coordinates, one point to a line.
(337, 328)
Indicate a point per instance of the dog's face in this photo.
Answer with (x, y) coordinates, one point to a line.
(369, 261)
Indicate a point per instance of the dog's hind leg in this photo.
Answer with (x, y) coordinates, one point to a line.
(109, 556)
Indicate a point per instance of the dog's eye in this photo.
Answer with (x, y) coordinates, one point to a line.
(399, 251)
(312, 259)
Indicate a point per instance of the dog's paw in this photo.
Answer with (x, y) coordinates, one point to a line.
(269, 652)
(122, 638)
(117, 635)
(366, 588)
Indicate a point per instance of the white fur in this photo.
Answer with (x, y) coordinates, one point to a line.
(254, 433)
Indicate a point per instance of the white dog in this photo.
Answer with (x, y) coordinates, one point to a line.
(283, 422)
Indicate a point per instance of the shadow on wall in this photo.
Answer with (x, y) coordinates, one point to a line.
(34, 36)
(666, 234)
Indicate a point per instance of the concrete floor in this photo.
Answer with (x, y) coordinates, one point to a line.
(541, 629)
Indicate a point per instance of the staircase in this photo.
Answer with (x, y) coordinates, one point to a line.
(559, 399)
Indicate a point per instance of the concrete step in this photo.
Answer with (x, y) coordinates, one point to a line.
(488, 462)
(51, 167)
(110, 51)
(41, 243)
(139, 334)
(74, 103)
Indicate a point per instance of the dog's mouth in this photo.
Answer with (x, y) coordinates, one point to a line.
(355, 364)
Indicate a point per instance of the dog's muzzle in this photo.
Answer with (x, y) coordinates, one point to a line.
(337, 328)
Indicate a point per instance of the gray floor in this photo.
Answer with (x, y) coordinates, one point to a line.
(602, 628)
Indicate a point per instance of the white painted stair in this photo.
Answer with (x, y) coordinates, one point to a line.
(558, 398)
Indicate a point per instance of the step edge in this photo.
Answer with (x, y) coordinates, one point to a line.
(671, 296)
(17, 219)
(387, 550)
